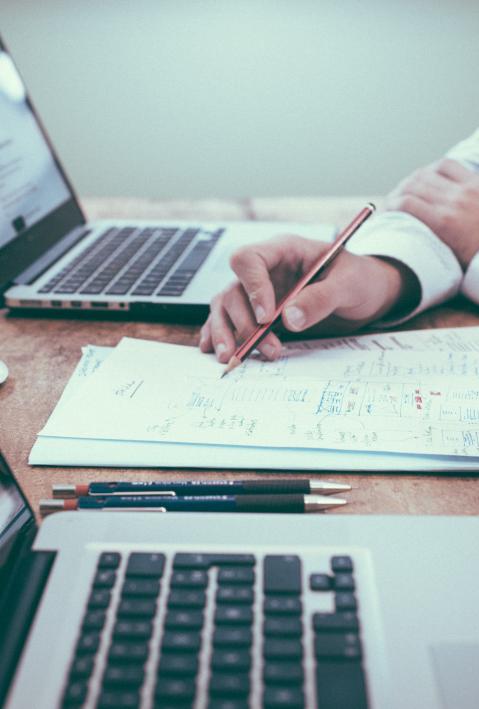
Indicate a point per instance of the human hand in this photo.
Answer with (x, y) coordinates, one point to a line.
(445, 197)
(353, 291)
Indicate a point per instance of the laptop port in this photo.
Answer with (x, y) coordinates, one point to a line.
(76, 304)
(99, 304)
(56, 303)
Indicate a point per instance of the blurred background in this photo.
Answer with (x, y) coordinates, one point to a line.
(225, 98)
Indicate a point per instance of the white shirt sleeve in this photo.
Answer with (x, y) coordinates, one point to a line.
(402, 237)
(467, 153)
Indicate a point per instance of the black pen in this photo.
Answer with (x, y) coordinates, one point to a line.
(276, 486)
(190, 503)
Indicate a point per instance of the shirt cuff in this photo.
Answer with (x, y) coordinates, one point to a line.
(400, 236)
(470, 283)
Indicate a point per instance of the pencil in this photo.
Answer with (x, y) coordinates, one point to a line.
(319, 265)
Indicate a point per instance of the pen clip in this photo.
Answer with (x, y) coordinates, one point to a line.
(159, 493)
(133, 509)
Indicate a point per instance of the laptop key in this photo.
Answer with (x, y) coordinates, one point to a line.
(233, 615)
(235, 594)
(75, 693)
(282, 574)
(282, 606)
(118, 700)
(189, 579)
(320, 582)
(88, 643)
(236, 575)
(282, 649)
(341, 685)
(94, 620)
(104, 578)
(290, 697)
(148, 565)
(232, 637)
(136, 608)
(234, 685)
(345, 601)
(140, 587)
(184, 619)
(178, 664)
(116, 676)
(132, 629)
(341, 564)
(327, 622)
(82, 666)
(180, 688)
(344, 582)
(181, 641)
(180, 598)
(109, 560)
(283, 673)
(337, 646)
(228, 703)
(231, 660)
(122, 651)
(283, 627)
(99, 598)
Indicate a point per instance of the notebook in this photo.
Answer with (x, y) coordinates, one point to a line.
(51, 258)
(159, 610)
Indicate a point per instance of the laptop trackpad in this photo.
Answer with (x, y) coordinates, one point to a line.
(456, 666)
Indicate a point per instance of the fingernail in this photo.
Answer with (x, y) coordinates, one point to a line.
(295, 317)
(220, 348)
(269, 350)
(260, 313)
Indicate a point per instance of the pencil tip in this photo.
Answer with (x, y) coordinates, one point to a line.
(234, 362)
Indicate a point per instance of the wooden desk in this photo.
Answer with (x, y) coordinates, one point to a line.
(42, 353)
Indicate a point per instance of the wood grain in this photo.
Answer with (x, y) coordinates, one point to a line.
(41, 354)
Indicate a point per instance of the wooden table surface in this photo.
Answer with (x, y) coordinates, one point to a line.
(41, 354)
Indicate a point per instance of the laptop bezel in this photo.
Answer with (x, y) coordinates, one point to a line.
(19, 253)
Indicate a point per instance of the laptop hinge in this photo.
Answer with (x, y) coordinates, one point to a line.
(54, 254)
(18, 609)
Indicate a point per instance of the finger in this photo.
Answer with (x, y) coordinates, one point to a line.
(206, 344)
(315, 303)
(418, 208)
(241, 315)
(221, 331)
(253, 265)
(453, 170)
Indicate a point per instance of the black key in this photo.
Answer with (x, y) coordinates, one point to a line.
(205, 561)
(290, 697)
(109, 560)
(82, 666)
(282, 649)
(320, 582)
(146, 565)
(99, 598)
(104, 578)
(235, 576)
(136, 608)
(345, 601)
(119, 700)
(233, 615)
(341, 685)
(283, 627)
(184, 620)
(195, 578)
(282, 606)
(88, 643)
(326, 622)
(121, 676)
(344, 582)
(235, 685)
(180, 688)
(228, 703)
(342, 564)
(140, 587)
(231, 660)
(283, 673)
(235, 594)
(132, 630)
(130, 652)
(186, 599)
(337, 646)
(233, 637)
(181, 641)
(177, 664)
(282, 574)
(76, 692)
(94, 620)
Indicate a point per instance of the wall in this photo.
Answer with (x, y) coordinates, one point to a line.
(185, 98)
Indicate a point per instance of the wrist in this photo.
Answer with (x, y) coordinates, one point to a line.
(403, 290)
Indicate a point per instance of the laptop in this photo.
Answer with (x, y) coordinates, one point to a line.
(51, 258)
(233, 611)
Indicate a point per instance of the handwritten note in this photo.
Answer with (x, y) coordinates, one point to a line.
(374, 400)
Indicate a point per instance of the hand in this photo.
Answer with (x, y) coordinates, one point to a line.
(445, 196)
(354, 291)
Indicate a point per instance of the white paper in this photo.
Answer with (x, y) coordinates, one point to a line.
(371, 401)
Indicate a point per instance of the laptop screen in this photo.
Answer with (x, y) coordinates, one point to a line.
(31, 185)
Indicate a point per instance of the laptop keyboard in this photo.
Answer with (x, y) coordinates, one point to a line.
(151, 261)
(222, 631)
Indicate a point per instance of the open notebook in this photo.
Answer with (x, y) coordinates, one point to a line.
(397, 401)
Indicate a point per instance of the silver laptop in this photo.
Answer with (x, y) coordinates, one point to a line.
(237, 611)
(51, 258)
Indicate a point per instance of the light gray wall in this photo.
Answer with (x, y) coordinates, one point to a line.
(196, 98)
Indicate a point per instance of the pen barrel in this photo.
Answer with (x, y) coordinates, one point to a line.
(193, 487)
(275, 503)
